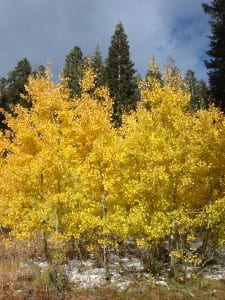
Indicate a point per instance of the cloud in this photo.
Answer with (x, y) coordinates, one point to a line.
(41, 30)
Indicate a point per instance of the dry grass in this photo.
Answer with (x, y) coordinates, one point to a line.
(26, 289)
(20, 283)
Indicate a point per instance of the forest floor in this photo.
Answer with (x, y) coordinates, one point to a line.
(25, 277)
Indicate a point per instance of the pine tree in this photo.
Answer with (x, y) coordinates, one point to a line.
(39, 71)
(3, 90)
(198, 91)
(73, 69)
(12, 87)
(120, 75)
(98, 66)
(15, 84)
(216, 63)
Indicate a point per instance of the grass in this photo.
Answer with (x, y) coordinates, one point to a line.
(23, 287)
(21, 283)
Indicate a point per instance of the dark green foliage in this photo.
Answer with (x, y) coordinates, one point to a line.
(73, 69)
(15, 84)
(99, 67)
(3, 90)
(40, 71)
(120, 75)
(13, 87)
(156, 75)
(198, 90)
(216, 63)
(54, 277)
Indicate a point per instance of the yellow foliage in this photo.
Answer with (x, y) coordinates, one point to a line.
(66, 171)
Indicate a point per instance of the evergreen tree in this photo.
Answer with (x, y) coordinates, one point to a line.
(12, 87)
(98, 66)
(120, 75)
(198, 90)
(40, 71)
(3, 90)
(73, 69)
(204, 93)
(216, 63)
(15, 84)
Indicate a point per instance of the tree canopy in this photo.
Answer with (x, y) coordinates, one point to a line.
(216, 62)
(68, 172)
(120, 74)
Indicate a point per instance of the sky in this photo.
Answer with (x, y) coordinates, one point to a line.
(45, 31)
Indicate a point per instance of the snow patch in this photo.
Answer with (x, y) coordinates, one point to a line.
(215, 272)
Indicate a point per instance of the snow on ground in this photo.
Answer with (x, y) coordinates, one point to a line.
(85, 274)
(122, 275)
(215, 272)
(123, 272)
